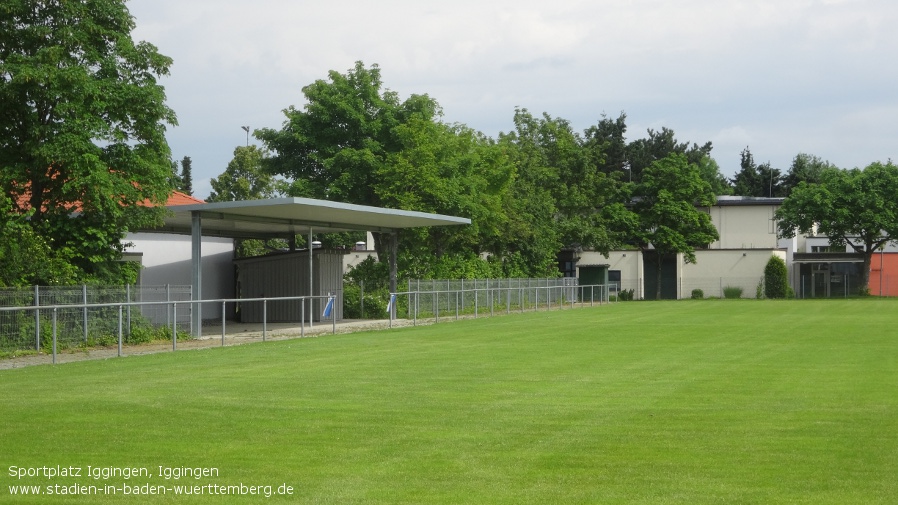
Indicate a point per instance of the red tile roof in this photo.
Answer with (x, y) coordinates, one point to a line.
(176, 198)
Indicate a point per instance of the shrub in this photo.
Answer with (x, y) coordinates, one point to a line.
(375, 302)
(697, 294)
(732, 292)
(776, 278)
(625, 295)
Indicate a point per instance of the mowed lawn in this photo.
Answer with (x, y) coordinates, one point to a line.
(688, 402)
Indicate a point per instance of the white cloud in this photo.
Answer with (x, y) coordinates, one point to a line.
(783, 76)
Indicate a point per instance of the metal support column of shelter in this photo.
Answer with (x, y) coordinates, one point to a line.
(196, 236)
(394, 248)
(311, 279)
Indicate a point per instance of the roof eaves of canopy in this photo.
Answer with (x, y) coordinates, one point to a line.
(278, 217)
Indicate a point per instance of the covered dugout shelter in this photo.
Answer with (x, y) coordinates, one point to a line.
(285, 218)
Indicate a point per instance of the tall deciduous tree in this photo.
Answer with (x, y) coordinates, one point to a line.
(447, 169)
(334, 147)
(665, 216)
(82, 125)
(606, 145)
(854, 208)
(245, 179)
(805, 168)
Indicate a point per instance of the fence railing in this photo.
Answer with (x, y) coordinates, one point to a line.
(109, 322)
(82, 310)
(455, 303)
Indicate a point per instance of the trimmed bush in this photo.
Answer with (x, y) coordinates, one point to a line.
(732, 292)
(697, 294)
(776, 278)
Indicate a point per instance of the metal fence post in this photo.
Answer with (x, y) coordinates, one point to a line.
(174, 327)
(265, 319)
(84, 310)
(168, 299)
(222, 322)
(120, 331)
(37, 319)
(128, 299)
(54, 335)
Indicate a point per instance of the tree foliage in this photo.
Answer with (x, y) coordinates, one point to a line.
(355, 142)
(82, 143)
(665, 216)
(186, 175)
(805, 168)
(245, 179)
(854, 208)
(757, 180)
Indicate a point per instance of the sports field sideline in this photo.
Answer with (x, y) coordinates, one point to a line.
(640, 402)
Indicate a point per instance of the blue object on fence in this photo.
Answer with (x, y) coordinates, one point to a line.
(390, 304)
(329, 307)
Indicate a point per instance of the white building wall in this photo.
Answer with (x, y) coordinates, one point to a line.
(167, 260)
(629, 263)
(718, 269)
(744, 226)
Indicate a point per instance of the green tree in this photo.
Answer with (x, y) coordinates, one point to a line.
(805, 168)
(82, 130)
(245, 179)
(532, 240)
(26, 259)
(186, 175)
(709, 171)
(335, 147)
(641, 153)
(665, 217)
(606, 146)
(776, 278)
(446, 169)
(757, 180)
(854, 208)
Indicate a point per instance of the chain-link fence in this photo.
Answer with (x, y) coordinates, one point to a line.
(454, 298)
(22, 329)
(467, 295)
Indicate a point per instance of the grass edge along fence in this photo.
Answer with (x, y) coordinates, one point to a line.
(433, 304)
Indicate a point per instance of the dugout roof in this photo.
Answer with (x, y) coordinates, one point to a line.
(284, 217)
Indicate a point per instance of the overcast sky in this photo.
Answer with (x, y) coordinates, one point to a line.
(780, 76)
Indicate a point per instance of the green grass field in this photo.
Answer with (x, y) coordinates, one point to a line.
(689, 402)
